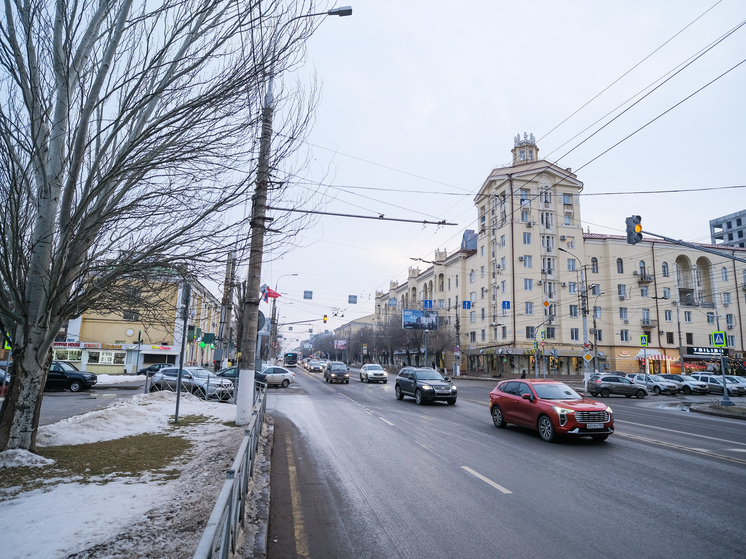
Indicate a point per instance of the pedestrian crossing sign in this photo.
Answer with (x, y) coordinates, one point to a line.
(718, 339)
(643, 341)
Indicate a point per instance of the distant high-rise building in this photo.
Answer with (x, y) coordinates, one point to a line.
(729, 230)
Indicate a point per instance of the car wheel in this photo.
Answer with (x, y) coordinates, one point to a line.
(385, 382)
(497, 417)
(285, 383)
(451, 402)
(326, 379)
(599, 438)
(397, 391)
(347, 381)
(640, 394)
(605, 393)
(199, 393)
(419, 400)
(361, 378)
(75, 386)
(546, 428)
(657, 390)
(628, 395)
(155, 388)
(687, 390)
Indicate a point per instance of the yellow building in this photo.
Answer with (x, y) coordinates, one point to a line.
(530, 282)
(124, 343)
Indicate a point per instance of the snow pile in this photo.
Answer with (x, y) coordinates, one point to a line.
(127, 519)
(17, 457)
(119, 379)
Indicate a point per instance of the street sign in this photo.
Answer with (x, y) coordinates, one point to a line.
(588, 356)
(546, 303)
(643, 341)
(543, 333)
(718, 339)
(506, 305)
(427, 304)
(308, 294)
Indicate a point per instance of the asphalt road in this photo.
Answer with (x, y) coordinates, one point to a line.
(61, 404)
(356, 473)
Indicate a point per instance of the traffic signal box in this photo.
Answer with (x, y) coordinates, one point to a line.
(634, 229)
(324, 319)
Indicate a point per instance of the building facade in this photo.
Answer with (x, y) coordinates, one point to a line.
(531, 284)
(729, 230)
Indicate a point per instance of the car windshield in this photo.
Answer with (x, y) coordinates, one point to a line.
(658, 377)
(374, 368)
(429, 374)
(556, 392)
(734, 381)
(66, 366)
(688, 378)
(201, 373)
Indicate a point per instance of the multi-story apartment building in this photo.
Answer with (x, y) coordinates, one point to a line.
(116, 343)
(531, 282)
(729, 230)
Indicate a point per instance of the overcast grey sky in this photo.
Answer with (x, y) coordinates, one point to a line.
(422, 99)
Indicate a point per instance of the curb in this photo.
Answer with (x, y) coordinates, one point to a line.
(256, 529)
(707, 410)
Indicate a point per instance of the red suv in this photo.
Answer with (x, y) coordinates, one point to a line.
(551, 407)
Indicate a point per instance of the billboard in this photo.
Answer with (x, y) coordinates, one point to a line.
(419, 320)
(340, 344)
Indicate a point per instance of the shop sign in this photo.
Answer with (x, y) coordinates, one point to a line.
(706, 351)
(624, 354)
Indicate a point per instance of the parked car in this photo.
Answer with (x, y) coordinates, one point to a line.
(200, 382)
(373, 372)
(154, 368)
(67, 376)
(656, 383)
(687, 384)
(315, 366)
(276, 376)
(550, 407)
(737, 380)
(337, 372)
(715, 384)
(606, 385)
(425, 385)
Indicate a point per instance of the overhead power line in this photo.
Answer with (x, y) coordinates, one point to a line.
(380, 217)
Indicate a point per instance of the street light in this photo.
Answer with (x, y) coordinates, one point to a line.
(244, 401)
(273, 319)
(584, 303)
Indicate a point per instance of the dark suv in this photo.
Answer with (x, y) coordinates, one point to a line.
(606, 385)
(66, 375)
(425, 385)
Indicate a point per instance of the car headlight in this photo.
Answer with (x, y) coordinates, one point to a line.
(562, 411)
(426, 387)
(453, 388)
(608, 409)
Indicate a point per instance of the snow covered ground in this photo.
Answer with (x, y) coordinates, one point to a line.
(127, 517)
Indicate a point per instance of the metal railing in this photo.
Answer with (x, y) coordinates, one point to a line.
(220, 538)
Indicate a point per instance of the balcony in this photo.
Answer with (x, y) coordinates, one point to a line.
(643, 278)
(649, 323)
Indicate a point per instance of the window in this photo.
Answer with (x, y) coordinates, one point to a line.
(624, 334)
(599, 336)
(595, 289)
(570, 240)
(528, 284)
(669, 337)
(527, 261)
(646, 317)
(570, 264)
(484, 335)
(573, 311)
(567, 199)
(597, 312)
(726, 299)
(502, 262)
(504, 332)
(572, 287)
(527, 238)
(666, 292)
(483, 311)
(732, 339)
(623, 313)
(456, 280)
(472, 277)
(567, 222)
(594, 265)
(473, 297)
(619, 266)
(503, 284)
(710, 318)
(550, 332)
(482, 250)
(482, 292)
(524, 216)
(547, 196)
(664, 269)
(668, 316)
(529, 308)
(131, 315)
(574, 334)
(472, 336)
(529, 332)
(502, 240)
(621, 290)
(689, 338)
(724, 273)
(643, 291)
(449, 284)
(687, 316)
(729, 321)
(481, 271)
(473, 316)
(642, 267)
(524, 197)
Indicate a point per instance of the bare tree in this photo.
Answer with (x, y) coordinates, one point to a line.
(128, 133)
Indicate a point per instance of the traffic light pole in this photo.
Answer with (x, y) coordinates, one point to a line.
(696, 247)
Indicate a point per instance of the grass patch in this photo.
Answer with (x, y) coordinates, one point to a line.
(98, 462)
(186, 420)
(716, 405)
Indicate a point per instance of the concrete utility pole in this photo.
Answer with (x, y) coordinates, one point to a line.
(250, 361)
(221, 351)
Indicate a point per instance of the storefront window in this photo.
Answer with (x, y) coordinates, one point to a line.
(107, 357)
(66, 355)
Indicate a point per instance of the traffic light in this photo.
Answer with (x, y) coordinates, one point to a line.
(634, 229)
(324, 319)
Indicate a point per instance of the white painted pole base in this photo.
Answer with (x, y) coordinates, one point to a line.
(245, 401)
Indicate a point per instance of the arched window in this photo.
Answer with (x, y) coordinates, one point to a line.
(619, 266)
(594, 265)
(642, 267)
(724, 272)
(664, 269)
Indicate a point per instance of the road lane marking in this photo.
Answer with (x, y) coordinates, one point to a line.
(301, 545)
(679, 447)
(681, 432)
(388, 422)
(488, 481)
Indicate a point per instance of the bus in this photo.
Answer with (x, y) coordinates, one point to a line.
(291, 359)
